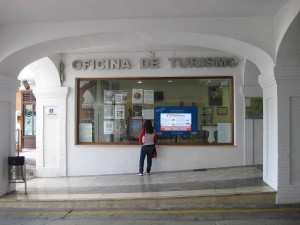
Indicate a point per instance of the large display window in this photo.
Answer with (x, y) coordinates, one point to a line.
(187, 111)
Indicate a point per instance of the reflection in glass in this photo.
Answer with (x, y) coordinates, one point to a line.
(107, 108)
(28, 119)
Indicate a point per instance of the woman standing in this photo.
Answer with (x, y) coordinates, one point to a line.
(147, 139)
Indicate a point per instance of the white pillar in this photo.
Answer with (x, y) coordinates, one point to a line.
(8, 88)
(270, 132)
(288, 82)
(51, 109)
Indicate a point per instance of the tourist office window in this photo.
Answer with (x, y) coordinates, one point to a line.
(187, 111)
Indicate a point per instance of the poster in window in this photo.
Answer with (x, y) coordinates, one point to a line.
(137, 96)
(148, 96)
(120, 97)
(85, 132)
(208, 110)
(148, 114)
(108, 127)
(222, 111)
(108, 111)
(135, 127)
(137, 111)
(124, 96)
(224, 133)
(119, 112)
(109, 96)
(215, 96)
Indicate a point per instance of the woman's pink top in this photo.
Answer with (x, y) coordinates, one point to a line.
(147, 139)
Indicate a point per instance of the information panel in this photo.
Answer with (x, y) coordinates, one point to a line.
(176, 121)
(173, 120)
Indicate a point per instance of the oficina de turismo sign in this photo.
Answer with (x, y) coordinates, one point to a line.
(154, 63)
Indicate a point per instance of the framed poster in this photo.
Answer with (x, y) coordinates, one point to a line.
(208, 110)
(137, 96)
(108, 126)
(108, 111)
(148, 114)
(120, 97)
(224, 133)
(137, 111)
(222, 111)
(119, 112)
(215, 96)
(109, 96)
(148, 96)
(135, 127)
(86, 132)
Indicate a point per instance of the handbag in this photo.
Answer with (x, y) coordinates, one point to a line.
(154, 154)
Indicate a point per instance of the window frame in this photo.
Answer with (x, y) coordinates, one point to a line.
(77, 110)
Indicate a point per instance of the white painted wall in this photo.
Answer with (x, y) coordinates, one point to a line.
(113, 159)
(8, 88)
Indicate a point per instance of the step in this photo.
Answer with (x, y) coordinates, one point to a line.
(192, 198)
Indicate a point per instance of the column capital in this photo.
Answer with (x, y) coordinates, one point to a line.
(266, 80)
(287, 75)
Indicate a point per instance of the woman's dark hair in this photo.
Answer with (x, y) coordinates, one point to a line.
(148, 127)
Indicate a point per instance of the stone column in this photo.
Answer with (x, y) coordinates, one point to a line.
(51, 109)
(270, 130)
(8, 89)
(288, 82)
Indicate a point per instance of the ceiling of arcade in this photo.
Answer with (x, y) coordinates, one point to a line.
(34, 14)
(15, 12)
(289, 50)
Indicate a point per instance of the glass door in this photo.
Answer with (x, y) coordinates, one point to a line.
(29, 126)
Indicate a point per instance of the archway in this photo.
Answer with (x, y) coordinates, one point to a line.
(139, 41)
(170, 39)
(287, 75)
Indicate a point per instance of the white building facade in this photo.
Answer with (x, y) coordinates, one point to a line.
(268, 65)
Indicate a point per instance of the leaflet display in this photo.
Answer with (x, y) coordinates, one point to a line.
(173, 120)
(176, 122)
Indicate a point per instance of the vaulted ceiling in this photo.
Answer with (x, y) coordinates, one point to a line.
(15, 12)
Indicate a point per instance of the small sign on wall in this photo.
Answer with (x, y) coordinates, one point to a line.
(51, 111)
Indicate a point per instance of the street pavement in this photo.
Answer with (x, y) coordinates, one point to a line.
(250, 215)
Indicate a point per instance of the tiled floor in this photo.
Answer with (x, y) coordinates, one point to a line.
(157, 182)
(230, 185)
(235, 180)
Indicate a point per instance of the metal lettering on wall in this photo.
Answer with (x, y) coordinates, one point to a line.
(154, 63)
(194, 62)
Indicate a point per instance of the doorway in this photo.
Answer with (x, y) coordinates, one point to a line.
(29, 120)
